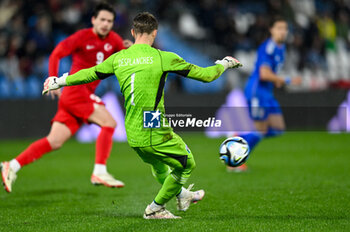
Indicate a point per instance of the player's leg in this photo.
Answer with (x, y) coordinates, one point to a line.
(275, 120)
(173, 185)
(160, 171)
(176, 155)
(179, 158)
(59, 133)
(258, 112)
(276, 125)
(252, 138)
(104, 142)
(273, 126)
(170, 186)
(268, 121)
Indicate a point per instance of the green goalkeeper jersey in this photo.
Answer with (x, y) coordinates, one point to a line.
(141, 71)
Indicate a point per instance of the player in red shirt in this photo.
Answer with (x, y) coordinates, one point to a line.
(78, 104)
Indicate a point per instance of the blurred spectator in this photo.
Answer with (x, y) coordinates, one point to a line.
(319, 38)
(327, 30)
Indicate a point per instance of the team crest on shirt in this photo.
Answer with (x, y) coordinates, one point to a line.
(108, 47)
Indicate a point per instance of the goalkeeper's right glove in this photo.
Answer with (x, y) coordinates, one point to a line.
(229, 62)
(52, 83)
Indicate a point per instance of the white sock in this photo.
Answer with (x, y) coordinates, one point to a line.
(14, 165)
(155, 207)
(184, 193)
(100, 169)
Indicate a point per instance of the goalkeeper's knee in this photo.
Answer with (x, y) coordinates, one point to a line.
(160, 174)
(181, 175)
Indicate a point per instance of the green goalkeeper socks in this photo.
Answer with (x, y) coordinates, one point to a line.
(169, 189)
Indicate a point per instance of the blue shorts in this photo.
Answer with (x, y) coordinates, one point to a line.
(260, 108)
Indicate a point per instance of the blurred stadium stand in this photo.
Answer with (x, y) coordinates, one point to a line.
(169, 41)
(201, 31)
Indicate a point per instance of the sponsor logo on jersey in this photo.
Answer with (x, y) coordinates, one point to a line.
(108, 47)
(151, 119)
(89, 47)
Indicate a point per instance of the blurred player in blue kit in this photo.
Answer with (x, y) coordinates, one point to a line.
(264, 109)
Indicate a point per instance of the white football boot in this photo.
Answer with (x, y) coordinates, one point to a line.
(106, 180)
(184, 201)
(8, 176)
(160, 214)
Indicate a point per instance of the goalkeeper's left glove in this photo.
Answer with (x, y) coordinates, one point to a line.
(229, 62)
(52, 83)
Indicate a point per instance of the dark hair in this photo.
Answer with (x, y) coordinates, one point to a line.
(276, 19)
(103, 6)
(145, 22)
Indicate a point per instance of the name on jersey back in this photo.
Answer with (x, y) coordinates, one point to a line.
(135, 61)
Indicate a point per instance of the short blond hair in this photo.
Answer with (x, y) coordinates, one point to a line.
(145, 22)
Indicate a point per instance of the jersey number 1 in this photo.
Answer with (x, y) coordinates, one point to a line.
(132, 88)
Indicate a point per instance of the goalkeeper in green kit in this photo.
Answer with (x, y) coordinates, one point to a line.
(141, 71)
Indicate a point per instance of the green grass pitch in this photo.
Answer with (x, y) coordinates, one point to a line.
(297, 182)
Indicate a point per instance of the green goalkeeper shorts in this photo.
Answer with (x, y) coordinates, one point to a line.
(173, 153)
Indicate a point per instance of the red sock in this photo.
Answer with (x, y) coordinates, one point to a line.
(34, 152)
(104, 145)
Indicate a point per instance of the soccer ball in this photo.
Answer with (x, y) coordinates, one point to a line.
(234, 151)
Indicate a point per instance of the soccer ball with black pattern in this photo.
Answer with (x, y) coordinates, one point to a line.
(234, 151)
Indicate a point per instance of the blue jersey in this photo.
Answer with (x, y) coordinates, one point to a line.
(269, 54)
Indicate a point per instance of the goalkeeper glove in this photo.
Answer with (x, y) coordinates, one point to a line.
(52, 83)
(229, 62)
